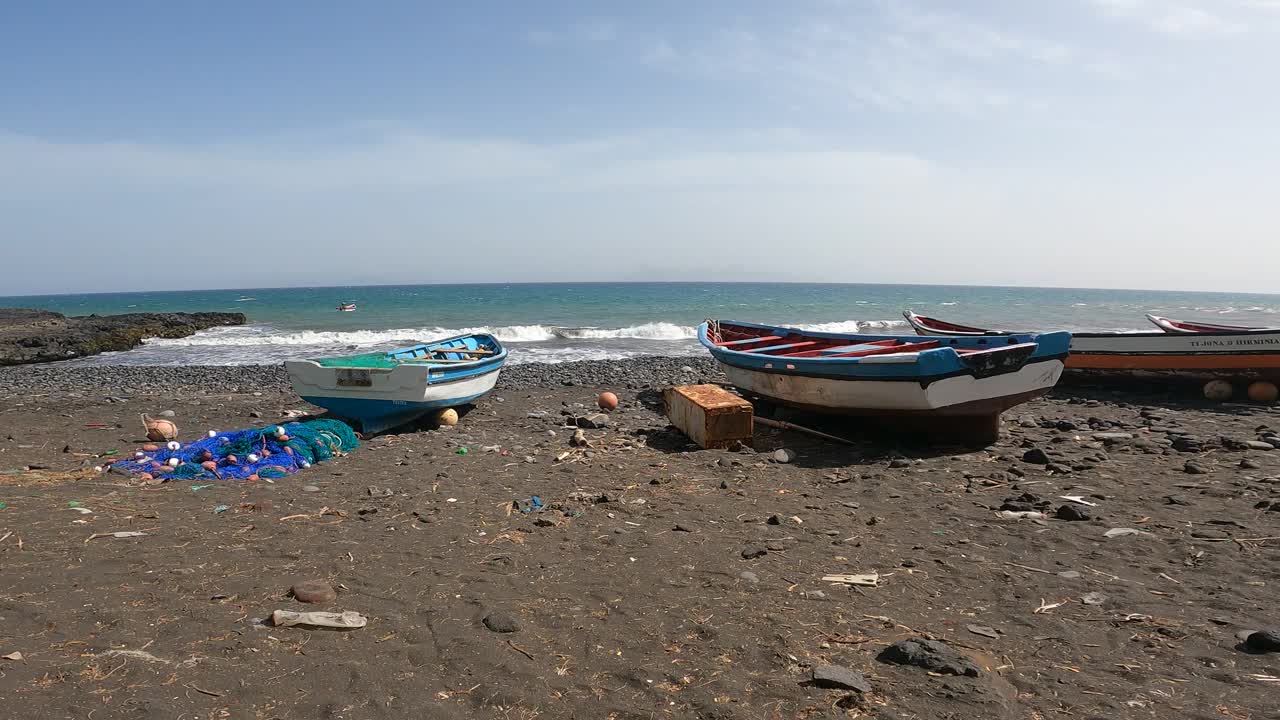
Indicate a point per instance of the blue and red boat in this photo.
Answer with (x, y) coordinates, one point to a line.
(969, 380)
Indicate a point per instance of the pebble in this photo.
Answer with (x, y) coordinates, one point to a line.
(1093, 598)
(835, 677)
(314, 591)
(1250, 464)
(310, 488)
(783, 455)
(168, 414)
(1263, 641)
(1073, 512)
(1259, 445)
(1036, 456)
(751, 552)
(899, 463)
(748, 576)
(1112, 437)
(1069, 575)
(501, 622)
(1194, 468)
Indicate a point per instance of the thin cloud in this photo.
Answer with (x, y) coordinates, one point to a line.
(1194, 18)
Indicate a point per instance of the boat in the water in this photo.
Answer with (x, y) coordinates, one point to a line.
(346, 307)
(967, 382)
(1179, 350)
(384, 389)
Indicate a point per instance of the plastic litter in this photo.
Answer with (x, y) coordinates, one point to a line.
(533, 504)
(349, 619)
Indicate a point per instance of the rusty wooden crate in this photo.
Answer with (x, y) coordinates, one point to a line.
(710, 415)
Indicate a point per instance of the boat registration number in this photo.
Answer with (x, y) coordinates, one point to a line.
(354, 378)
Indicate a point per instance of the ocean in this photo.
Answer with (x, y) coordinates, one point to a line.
(557, 322)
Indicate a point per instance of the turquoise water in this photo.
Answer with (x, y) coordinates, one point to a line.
(555, 322)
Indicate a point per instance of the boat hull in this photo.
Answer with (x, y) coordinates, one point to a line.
(959, 395)
(392, 397)
(1247, 354)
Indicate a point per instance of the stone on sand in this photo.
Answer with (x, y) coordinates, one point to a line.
(314, 591)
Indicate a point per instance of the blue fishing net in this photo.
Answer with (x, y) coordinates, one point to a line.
(268, 452)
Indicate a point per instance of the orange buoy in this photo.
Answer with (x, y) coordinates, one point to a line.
(1263, 392)
(607, 401)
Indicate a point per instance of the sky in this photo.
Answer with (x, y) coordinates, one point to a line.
(1078, 143)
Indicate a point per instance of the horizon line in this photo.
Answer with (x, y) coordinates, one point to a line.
(629, 282)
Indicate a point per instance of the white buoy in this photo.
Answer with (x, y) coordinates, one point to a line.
(174, 445)
(306, 464)
(174, 462)
(279, 430)
(252, 458)
(213, 433)
(1218, 390)
(97, 468)
(139, 455)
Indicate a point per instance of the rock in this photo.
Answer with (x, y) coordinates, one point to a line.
(681, 528)
(1093, 598)
(1187, 444)
(1065, 425)
(835, 677)
(748, 576)
(501, 622)
(774, 520)
(1263, 641)
(932, 655)
(255, 414)
(168, 414)
(1194, 468)
(1254, 445)
(1211, 534)
(897, 463)
(1026, 502)
(36, 336)
(1036, 456)
(1113, 437)
(310, 489)
(1058, 468)
(1073, 512)
(314, 591)
(1248, 464)
(1069, 575)
(752, 552)
(984, 631)
(783, 455)
(594, 421)
(1175, 500)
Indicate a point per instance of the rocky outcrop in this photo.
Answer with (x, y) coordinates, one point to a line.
(36, 336)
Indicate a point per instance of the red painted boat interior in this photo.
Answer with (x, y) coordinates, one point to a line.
(796, 345)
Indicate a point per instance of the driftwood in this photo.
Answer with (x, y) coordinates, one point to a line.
(782, 425)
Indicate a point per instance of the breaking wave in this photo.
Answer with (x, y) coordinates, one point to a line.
(265, 335)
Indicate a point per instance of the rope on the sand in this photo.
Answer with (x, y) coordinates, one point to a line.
(269, 452)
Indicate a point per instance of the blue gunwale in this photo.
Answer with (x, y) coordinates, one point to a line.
(926, 365)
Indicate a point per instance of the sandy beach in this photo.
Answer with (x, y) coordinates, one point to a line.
(658, 580)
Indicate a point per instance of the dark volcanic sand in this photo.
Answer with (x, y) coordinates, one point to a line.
(619, 613)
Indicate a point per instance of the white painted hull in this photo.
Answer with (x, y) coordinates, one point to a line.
(406, 384)
(959, 395)
(1182, 343)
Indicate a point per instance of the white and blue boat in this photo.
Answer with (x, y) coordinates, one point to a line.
(381, 390)
(967, 381)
